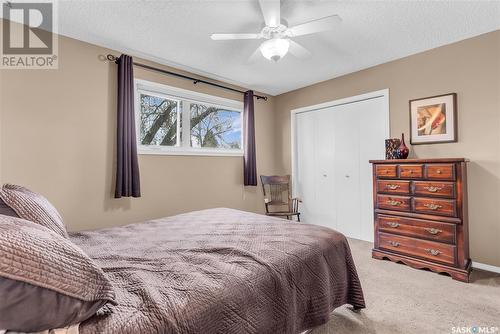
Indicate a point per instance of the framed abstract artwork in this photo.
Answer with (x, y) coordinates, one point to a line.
(433, 119)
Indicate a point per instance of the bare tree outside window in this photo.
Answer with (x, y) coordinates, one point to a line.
(215, 127)
(208, 126)
(159, 117)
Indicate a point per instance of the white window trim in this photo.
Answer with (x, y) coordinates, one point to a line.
(175, 93)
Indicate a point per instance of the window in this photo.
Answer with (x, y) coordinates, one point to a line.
(176, 121)
(160, 119)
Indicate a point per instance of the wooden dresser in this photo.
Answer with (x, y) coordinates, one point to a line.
(421, 214)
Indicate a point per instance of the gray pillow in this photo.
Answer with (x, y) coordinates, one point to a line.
(33, 207)
(46, 281)
(29, 308)
(7, 210)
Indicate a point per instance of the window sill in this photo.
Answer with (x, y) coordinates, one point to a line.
(214, 153)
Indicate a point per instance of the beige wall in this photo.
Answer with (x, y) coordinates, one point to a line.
(470, 68)
(57, 137)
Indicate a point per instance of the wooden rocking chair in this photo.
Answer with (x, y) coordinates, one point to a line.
(277, 194)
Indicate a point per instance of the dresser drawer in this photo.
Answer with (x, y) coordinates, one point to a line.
(387, 171)
(399, 203)
(442, 207)
(418, 228)
(439, 189)
(440, 171)
(411, 171)
(428, 250)
(393, 187)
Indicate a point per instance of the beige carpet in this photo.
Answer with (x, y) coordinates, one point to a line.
(404, 300)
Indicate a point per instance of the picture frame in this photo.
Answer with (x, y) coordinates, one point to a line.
(433, 119)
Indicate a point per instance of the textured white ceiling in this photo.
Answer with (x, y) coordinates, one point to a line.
(177, 33)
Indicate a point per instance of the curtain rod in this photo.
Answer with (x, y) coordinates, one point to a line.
(195, 81)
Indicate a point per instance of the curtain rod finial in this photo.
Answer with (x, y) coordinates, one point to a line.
(110, 57)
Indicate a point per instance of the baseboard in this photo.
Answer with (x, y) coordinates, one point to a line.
(486, 267)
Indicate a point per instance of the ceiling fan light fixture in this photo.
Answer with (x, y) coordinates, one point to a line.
(275, 48)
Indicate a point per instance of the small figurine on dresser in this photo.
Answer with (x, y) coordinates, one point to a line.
(391, 148)
(396, 149)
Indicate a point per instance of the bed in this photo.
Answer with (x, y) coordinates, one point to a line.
(221, 271)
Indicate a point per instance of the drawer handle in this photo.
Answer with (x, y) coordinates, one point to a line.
(439, 171)
(433, 206)
(394, 243)
(433, 252)
(433, 231)
(433, 189)
(394, 203)
(392, 186)
(393, 225)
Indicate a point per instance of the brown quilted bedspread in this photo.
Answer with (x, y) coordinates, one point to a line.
(221, 271)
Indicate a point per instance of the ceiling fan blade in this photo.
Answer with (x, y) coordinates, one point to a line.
(311, 27)
(223, 37)
(298, 50)
(271, 12)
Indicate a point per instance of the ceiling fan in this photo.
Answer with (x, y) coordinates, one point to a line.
(278, 35)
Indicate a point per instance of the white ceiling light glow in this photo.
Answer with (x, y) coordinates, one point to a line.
(275, 49)
(278, 35)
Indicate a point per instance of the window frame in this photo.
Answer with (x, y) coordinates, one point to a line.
(184, 97)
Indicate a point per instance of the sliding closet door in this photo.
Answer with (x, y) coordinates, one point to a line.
(305, 172)
(325, 168)
(314, 179)
(332, 173)
(347, 142)
(374, 130)
(360, 132)
(315, 170)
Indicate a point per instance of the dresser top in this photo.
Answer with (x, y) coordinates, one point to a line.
(403, 161)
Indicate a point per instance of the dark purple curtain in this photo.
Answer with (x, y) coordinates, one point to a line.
(127, 166)
(249, 162)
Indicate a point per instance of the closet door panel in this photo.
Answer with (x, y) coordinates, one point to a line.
(347, 174)
(334, 180)
(325, 161)
(306, 170)
(372, 128)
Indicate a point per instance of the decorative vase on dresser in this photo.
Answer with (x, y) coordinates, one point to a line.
(421, 214)
(403, 150)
